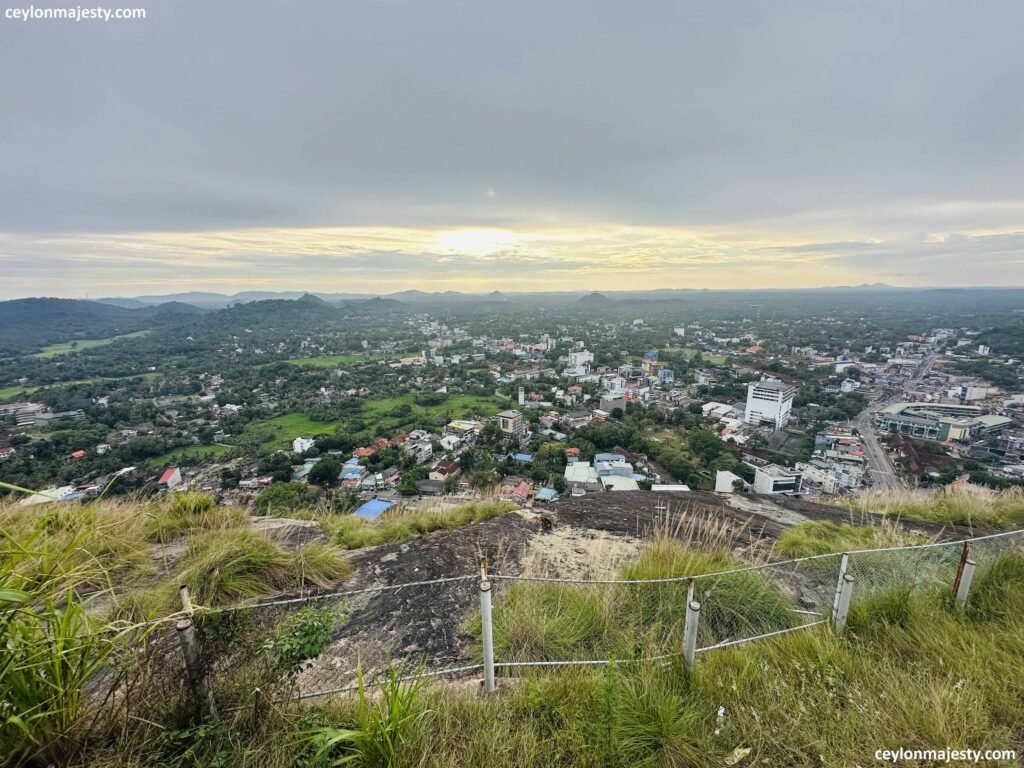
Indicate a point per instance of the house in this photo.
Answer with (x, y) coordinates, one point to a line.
(577, 419)
(371, 482)
(352, 475)
(451, 442)
(443, 470)
(619, 483)
(515, 489)
(77, 454)
(579, 475)
(430, 487)
(170, 478)
(390, 476)
(6, 453)
(546, 494)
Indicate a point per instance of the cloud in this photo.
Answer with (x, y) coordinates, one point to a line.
(699, 143)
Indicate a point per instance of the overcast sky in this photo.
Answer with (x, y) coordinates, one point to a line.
(342, 145)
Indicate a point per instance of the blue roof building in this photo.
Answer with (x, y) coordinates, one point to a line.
(373, 509)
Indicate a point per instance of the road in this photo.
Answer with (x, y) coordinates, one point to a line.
(880, 469)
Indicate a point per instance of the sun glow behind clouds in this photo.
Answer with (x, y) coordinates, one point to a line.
(476, 242)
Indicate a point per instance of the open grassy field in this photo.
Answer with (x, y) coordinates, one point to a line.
(197, 452)
(9, 393)
(277, 433)
(690, 352)
(67, 347)
(333, 361)
(12, 393)
(376, 417)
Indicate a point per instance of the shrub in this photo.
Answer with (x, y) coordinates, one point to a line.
(222, 567)
(184, 513)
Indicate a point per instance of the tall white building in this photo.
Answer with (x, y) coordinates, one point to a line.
(769, 400)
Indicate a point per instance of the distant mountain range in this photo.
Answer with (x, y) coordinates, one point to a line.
(220, 301)
(27, 325)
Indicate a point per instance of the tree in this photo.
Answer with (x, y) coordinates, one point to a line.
(325, 472)
(283, 497)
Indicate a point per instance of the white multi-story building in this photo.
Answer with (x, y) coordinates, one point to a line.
(769, 400)
(775, 479)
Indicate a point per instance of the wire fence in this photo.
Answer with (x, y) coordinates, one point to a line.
(439, 627)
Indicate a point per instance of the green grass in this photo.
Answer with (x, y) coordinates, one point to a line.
(10, 393)
(916, 673)
(912, 670)
(190, 454)
(66, 347)
(399, 524)
(332, 361)
(551, 622)
(1004, 509)
(180, 514)
(277, 433)
(711, 359)
(375, 418)
(223, 567)
(818, 537)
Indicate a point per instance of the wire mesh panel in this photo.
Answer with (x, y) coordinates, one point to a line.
(986, 551)
(322, 644)
(747, 604)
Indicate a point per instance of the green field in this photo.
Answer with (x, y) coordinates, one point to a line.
(277, 433)
(375, 418)
(690, 352)
(66, 347)
(198, 452)
(10, 393)
(332, 361)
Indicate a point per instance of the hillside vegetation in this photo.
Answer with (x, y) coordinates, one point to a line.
(998, 509)
(912, 670)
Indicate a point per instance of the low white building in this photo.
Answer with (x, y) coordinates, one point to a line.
(725, 481)
(302, 444)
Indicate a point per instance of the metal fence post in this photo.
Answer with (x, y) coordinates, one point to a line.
(844, 564)
(964, 587)
(191, 650)
(486, 627)
(690, 633)
(843, 604)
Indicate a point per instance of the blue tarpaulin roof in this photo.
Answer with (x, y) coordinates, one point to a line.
(524, 457)
(373, 509)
